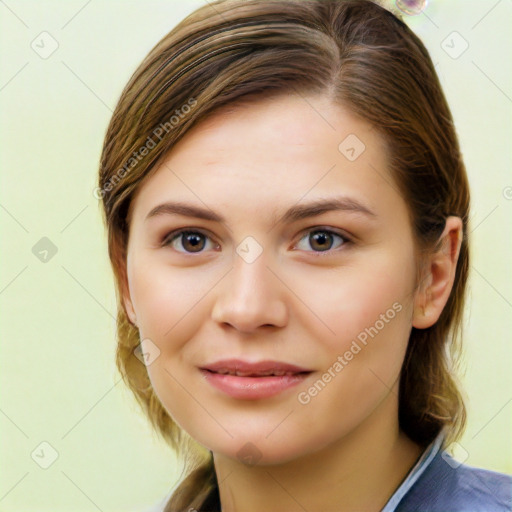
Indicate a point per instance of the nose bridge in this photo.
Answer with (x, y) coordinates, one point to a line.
(251, 296)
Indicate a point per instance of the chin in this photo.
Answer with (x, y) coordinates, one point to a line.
(259, 451)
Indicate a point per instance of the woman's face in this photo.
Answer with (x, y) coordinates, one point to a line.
(329, 291)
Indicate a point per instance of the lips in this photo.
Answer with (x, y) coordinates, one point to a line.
(242, 368)
(243, 380)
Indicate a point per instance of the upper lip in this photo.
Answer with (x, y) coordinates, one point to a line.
(241, 367)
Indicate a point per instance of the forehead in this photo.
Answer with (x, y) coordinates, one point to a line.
(261, 154)
(280, 124)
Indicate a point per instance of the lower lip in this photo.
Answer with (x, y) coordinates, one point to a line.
(253, 388)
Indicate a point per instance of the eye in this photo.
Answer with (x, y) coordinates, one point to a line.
(321, 240)
(191, 241)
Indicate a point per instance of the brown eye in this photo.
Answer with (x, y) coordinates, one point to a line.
(190, 241)
(320, 240)
(323, 240)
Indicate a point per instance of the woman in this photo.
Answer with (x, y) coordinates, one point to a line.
(287, 214)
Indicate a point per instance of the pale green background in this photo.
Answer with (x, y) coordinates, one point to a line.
(58, 378)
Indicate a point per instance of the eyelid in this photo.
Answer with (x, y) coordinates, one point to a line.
(336, 231)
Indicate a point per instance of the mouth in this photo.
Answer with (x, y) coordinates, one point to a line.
(253, 381)
(269, 373)
(242, 368)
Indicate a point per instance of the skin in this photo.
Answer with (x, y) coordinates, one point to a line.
(250, 165)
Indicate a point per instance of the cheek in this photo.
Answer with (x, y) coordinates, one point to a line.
(167, 299)
(357, 300)
(361, 362)
(168, 303)
(368, 311)
(171, 306)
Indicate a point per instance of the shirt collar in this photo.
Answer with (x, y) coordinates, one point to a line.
(426, 458)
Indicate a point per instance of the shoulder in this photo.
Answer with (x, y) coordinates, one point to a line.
(446, 484)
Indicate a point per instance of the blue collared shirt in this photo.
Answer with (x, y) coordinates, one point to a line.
(426, 458)
(440, 483)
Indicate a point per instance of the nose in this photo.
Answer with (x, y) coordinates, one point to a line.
(251, 296)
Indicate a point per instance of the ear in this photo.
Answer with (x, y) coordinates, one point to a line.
(126, 297)
(439, 275)
(128, 306)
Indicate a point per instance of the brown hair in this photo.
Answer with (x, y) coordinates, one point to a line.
(360, 55)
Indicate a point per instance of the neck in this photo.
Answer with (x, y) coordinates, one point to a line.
(360, 471)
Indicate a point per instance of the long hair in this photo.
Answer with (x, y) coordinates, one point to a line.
(360, 55)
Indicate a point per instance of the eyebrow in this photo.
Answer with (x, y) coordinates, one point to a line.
(293, 214)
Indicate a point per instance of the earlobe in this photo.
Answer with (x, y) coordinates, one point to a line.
(437, 284)
(124, 287)
(128, 306)
(127, 302)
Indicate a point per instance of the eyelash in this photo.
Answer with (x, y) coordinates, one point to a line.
(170, 237)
